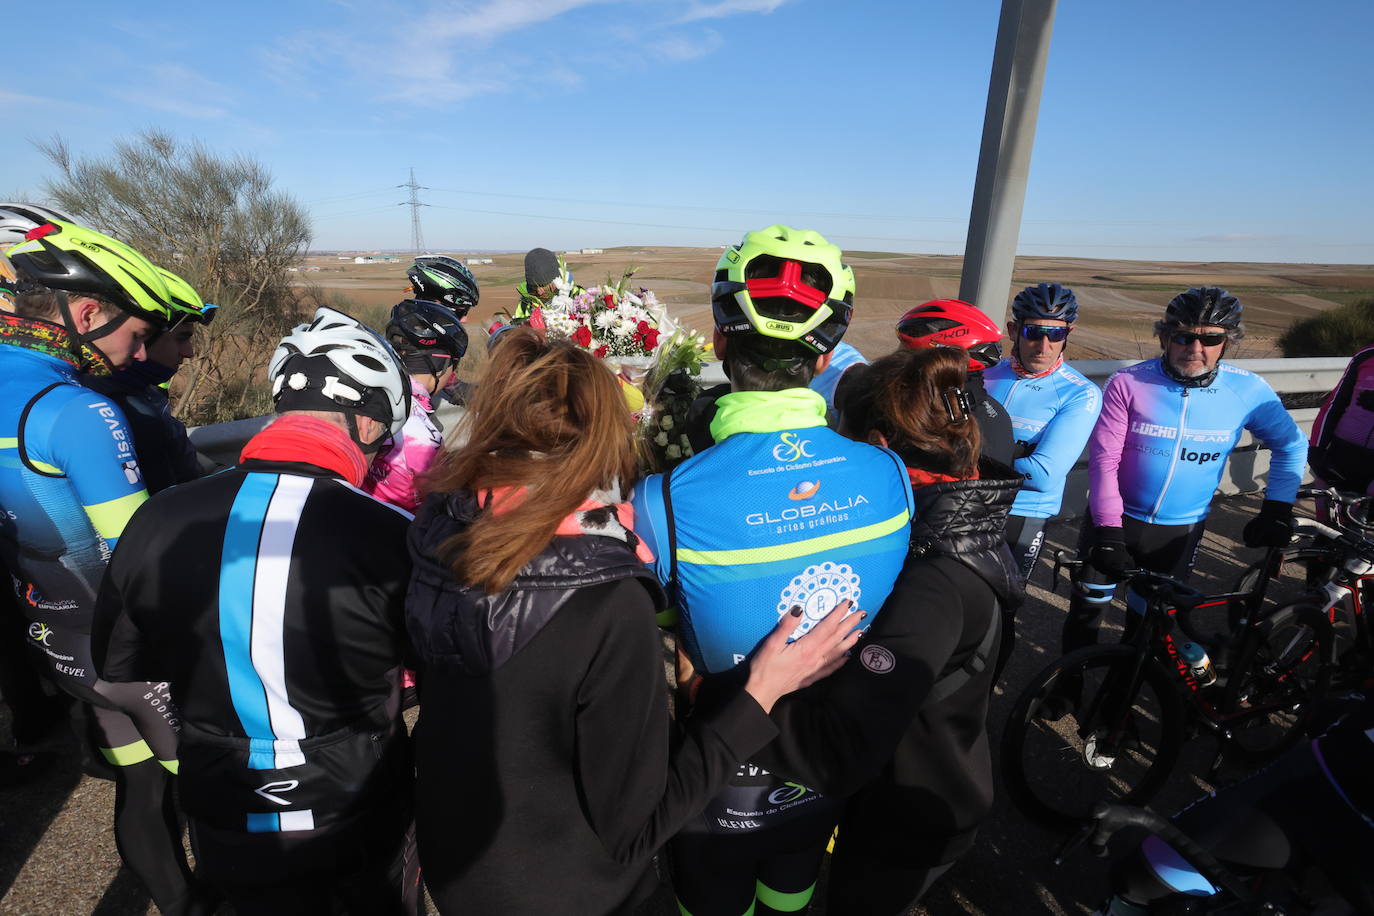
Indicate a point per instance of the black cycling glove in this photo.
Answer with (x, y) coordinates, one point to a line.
(1273, 527)
(1110, 553)
(1022, 449)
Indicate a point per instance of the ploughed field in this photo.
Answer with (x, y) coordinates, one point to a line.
(1120, 299)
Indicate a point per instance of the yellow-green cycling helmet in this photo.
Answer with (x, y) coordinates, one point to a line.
(787, 284)
(71, 258)
(186, 302)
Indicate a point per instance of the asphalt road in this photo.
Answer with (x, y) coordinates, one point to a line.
(58, 856)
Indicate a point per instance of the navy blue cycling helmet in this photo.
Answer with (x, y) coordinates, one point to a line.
(1045, 301)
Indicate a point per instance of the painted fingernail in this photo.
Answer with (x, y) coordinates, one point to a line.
(796, 610)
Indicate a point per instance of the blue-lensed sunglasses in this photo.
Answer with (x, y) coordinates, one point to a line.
(1053, 333)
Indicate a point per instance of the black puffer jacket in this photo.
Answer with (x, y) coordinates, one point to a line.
(453, 625)
(966, 520)
(917, 765)
(544, 726)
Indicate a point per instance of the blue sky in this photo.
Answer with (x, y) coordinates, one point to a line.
(1217, 130)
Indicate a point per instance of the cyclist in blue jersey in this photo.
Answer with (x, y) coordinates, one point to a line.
(69, 482)
(1052, 407)
(1157, 453)
(842, 359)
(780, 513)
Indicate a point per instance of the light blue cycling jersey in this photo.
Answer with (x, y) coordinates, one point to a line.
(1159, 447)
(780, 512)
(69, 481)
(842, 359)
(1054, 413)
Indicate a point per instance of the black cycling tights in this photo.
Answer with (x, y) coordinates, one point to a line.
(1283, 816)
(768, 872)
(148, 833)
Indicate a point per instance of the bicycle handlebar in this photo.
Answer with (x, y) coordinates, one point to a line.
(1107, 820)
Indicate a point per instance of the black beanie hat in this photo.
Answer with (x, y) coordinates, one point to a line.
(541, 266)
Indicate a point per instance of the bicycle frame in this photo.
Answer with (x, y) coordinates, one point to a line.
(1169, 606)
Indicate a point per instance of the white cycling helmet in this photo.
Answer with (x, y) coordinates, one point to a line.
(337, 362)
(17, 219)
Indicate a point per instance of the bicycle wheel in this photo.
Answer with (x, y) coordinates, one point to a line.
(1118, 745)
(1278, 676)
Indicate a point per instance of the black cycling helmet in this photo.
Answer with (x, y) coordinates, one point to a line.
(1045, 301)
(427, 336)
(1204, 305)
(436, 278)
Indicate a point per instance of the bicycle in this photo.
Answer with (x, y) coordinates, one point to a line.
(1138, 700)
(1339, 568)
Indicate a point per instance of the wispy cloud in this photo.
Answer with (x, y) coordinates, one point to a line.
(177, 90)
(698, 11)
(452, 50)
(494, 18)
(682, 48)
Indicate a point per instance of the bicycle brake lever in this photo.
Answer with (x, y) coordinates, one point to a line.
(1073, 842)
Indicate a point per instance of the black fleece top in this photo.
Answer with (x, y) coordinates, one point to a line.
(546, 780)
(919, 772)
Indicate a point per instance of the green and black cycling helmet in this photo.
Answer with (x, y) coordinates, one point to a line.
(427, 336)
(784, 284)
(186, 302)
(1202, 306)
(67, 257)
(445, 280)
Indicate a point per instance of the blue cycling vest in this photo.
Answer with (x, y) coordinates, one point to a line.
(780, 512)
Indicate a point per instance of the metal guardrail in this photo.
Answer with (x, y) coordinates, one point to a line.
(1246, 469)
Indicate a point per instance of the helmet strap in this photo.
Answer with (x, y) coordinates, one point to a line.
(75, 340)
(368, 448)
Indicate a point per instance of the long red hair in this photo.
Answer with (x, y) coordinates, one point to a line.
(548, 418)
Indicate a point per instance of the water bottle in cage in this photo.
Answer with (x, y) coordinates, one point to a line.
(1198, 663)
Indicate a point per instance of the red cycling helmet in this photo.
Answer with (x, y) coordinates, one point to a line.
(952, 323)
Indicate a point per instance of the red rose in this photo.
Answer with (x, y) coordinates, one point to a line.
(644, 328)
(601, 351)
(609, 299)
(651, 339)
(582, 336)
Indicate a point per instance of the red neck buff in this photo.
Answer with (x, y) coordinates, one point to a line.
(920, 478)
(309, 440)
(1022, 372)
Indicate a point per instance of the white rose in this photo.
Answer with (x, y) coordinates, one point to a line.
(667, 421)
(661, 440)
(673, 452)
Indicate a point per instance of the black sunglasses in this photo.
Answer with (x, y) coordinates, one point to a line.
(1052, 333)
(1186, 338)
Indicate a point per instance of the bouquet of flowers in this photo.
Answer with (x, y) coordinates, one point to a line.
(657, 359)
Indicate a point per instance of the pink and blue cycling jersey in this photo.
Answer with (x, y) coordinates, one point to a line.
(1159, 447)
(392, 476)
